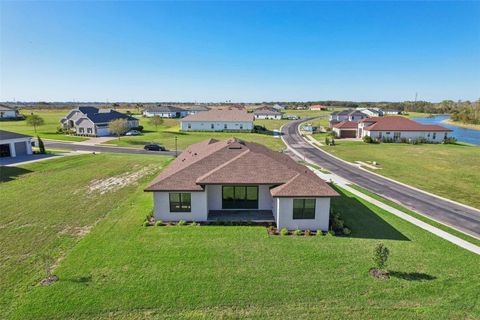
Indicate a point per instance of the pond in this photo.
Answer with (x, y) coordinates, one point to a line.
(461, 134)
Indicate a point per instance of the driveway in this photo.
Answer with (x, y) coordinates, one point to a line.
(99, 148)
(456, 215)
(95, 140)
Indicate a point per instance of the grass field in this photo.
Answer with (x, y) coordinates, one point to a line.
(451, 171)
(46, 131)
(123, 270)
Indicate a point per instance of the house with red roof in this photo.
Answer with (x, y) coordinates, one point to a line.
(396, 128)
(345, 129)
(239, 180)
(318, 107)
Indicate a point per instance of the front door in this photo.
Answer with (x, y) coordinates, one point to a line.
(240, 197)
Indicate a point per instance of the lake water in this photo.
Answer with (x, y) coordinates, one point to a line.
(462, 134)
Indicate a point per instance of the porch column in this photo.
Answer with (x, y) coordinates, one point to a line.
(12, 149)
(28, 145)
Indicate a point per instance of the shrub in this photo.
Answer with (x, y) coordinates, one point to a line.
(284, 232)
(297, 232)
(307, 233)
(146, 223)
(139, 128)
(158, 223)
(331, 233)
(327, 141)
(319, 233)
(346, 231)
(380, 256)
(181, 222)
(333, 142)
(194, 224)
(450, 140)
(367, 139)
(41, 146)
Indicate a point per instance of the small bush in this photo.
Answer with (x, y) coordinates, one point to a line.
(284, 232)
(297, 232)
(450, 140)
(327, 141)
(158, 223)
(181, 222)
(331, 233)
(194, 224)
(367, 139)
(146, 223)
(307, 233)
(319, 233)
(346, 231)
(380, 256)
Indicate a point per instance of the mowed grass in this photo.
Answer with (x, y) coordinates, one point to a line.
(448, 170)
(46, 131)
(124, 270)
(47, 207)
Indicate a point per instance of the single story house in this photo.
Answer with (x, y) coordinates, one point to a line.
(7, 112)
(392, 112)
(278, 107)
(218, 120)
(318, 107)
(192, 109)
(14, 144)
(235, 178)
(92, 121)
(397, 128)
(165, 112)
(346, 115)
(267, 113)
(371, 112)
(345, 129)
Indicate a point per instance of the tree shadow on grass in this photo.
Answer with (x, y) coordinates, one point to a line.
(10, 173)
(412, 276)
(363, 222)
(85, 280)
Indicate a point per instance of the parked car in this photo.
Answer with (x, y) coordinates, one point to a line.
(133, 133)
(292, 117)
(154, 147)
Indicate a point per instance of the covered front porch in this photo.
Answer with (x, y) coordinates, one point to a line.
(241, 215)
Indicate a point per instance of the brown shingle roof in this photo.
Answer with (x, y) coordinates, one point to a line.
(346, 125)
(397, 123)
(234, 161)
(220, 115)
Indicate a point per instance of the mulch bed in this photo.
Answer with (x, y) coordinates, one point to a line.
(379, 274)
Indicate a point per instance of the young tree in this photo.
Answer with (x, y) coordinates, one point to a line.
(35, 121)
(41, 146)
(118, 127)
(380, 256)
(156, 121)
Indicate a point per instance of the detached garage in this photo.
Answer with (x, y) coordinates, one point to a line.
(14, 144)
(345, 129)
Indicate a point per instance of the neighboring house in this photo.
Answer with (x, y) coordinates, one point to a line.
(392, 112)
(194, 109)
(278, 107)
(14, 144)
(346, 115)
(218, 120)
(165, 112)
(372, 112)
(345, 129)
(237, 177)
(7, 112)
(267, 113)
(397, 128)
(92, 121)
(318, 107)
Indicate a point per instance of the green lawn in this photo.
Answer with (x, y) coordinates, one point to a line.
(123, 270)
(170, 129)
(46, 131)
(451, 171)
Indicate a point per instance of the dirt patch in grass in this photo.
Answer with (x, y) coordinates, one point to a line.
(102, 186)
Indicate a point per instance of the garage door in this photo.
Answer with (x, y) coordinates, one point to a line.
(348, 134)
(4, 150)
(20, 149)
(101, 132)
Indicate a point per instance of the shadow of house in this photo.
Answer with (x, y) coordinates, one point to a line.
(363, 222)
(10, 173)
(412, 276)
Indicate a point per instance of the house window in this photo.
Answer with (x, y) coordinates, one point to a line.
(89, 130)
(445, 136)
(189, 125)
(212, 126)
(303, 209)
(180, 202)
(239, 197)
(396, 135)
(434, 136)
(80, 130)
(241, 126)
(380, 135)
(225, 126)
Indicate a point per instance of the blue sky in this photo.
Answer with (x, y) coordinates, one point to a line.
(239, 51)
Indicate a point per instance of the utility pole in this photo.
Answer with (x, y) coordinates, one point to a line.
(176, 150)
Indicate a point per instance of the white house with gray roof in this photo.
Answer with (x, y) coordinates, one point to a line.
(7, 112)
(14, 144)
(92, 121)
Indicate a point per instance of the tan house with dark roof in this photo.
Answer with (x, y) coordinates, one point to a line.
(240, 180)
(218, 120)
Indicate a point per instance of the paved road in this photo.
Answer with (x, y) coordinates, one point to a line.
(73, 146)
(457, 216)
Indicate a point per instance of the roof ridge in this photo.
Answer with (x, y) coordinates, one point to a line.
(223, 165)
